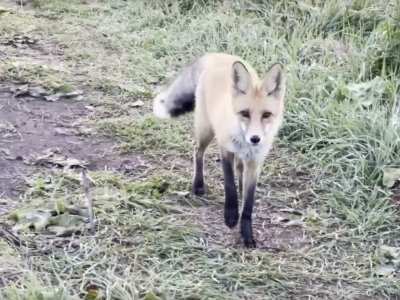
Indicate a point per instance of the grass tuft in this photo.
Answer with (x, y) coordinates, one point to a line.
(323, 209)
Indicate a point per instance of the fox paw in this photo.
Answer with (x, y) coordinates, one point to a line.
(198, 191)
(249, 242)
(246, 232)
(231, 217)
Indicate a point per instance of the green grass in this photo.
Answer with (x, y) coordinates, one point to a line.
(341, 133)
(151, 135)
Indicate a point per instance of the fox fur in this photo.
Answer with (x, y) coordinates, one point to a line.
(243, 112)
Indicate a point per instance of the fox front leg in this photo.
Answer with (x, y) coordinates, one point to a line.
(231, 209)
(250, 177)
(239, 172)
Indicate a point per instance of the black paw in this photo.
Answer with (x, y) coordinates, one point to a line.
(249, 242)
(231, 217)
(198, 191)
(198, 187)
(246, 231)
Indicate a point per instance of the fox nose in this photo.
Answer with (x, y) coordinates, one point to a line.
(255, 139)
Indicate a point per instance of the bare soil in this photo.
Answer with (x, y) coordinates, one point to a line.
(30, 126)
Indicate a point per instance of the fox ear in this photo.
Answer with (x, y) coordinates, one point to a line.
(241, 78)
(274, 82)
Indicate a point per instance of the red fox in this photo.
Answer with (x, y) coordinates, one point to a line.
(241, 111)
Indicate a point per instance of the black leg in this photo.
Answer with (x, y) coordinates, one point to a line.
(231, 212)
(198, 181)
(203, 140)
(250, 182)
(239, 171)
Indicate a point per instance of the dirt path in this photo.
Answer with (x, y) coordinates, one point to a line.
(34, 133)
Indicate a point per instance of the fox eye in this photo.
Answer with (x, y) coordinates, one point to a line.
(266, 115)
(245, 113)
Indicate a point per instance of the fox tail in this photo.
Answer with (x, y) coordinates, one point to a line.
(179, 97)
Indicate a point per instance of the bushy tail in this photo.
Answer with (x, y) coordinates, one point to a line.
(179, 97)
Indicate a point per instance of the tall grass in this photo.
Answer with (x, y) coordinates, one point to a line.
(341, 128)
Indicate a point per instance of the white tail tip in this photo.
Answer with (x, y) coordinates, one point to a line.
(159, 108)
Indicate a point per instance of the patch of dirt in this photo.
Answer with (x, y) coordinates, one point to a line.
(29, 127)
(269, 236)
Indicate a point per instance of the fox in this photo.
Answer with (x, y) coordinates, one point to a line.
(241, 111)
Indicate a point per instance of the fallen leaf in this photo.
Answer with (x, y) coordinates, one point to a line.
(137, 103)
(52, 98)
(41, 93)
(65, 131)
(73, 163)
(181, 193)
(313, 218)
(54, 216)
(92, 295)
(67, 95)
(38, 91)
(90, 107)
(68, 220)
(291, 211)
(384, 270)
(151, 296)
(53, 158)
(5, 152)
(366, 93)
(63, 89)
(389, 253)
(78, 98)
(390, 176)
(39, 219)
(288, 217)
(94, 292)
(60, 230)
(39, 183)
(73, 94)
(388, 260)
(279, 220)
(85, 131)
(293, 223)
(21, 90)
(75, 210)
(66, 224)
(31, 219)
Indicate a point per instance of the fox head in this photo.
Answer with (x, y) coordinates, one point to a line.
(258, 105)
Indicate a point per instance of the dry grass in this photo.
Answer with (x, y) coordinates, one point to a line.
(153, 241)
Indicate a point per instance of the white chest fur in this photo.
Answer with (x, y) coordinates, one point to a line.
(244, 150)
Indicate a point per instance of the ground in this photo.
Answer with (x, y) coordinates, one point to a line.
(77, 79)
